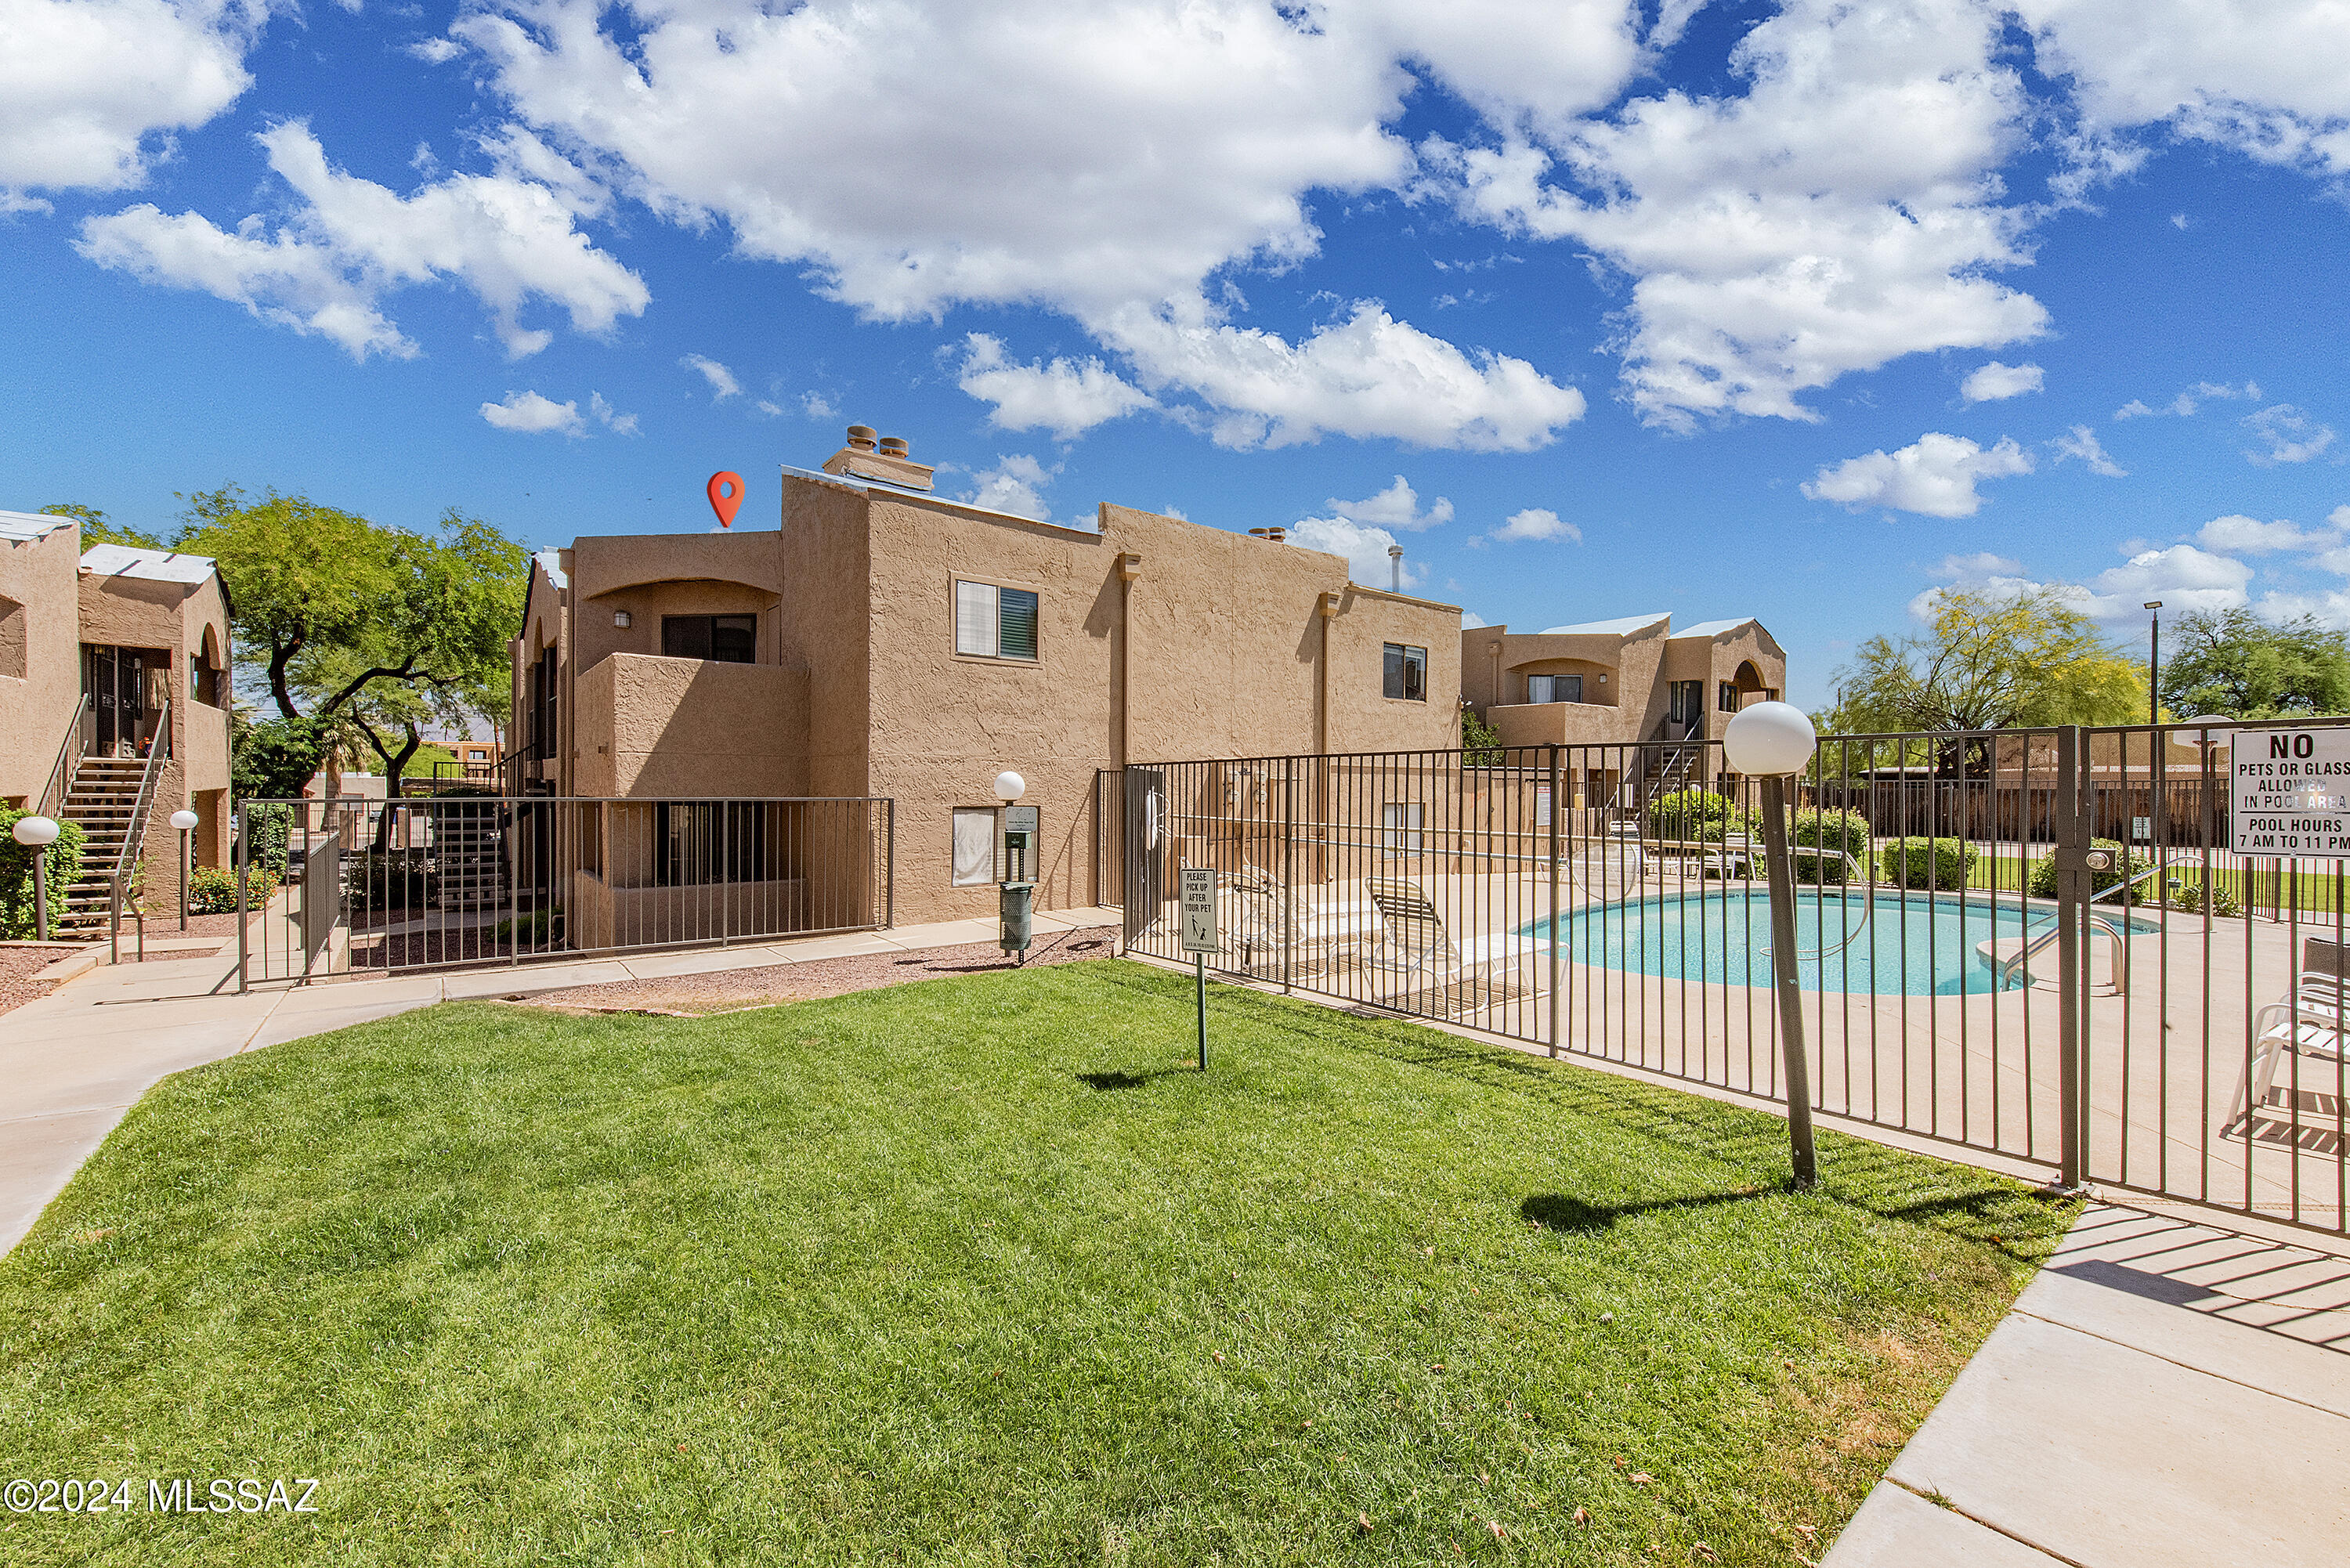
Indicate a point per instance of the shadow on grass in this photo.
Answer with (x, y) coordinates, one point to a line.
(1554, 1212)
(1957, 1199)
(1125, 1080)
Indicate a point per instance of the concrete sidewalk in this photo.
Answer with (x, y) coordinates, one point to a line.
(73, 1062)
(2163, 1393)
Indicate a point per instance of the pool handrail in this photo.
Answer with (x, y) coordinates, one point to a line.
(2021, 962)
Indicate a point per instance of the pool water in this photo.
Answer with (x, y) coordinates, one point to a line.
(1920, 944)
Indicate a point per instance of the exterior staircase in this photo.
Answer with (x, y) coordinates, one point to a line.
(101, 800)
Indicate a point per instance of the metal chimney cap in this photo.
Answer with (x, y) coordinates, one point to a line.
(894, 446)
(861, 437)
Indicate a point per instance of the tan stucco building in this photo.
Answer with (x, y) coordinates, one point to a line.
(1609, 683)
(887, 642)
(100, 650)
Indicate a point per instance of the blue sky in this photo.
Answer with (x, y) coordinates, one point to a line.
(1798, 311)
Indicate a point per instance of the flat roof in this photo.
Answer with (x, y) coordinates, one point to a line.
(148, 566)
(1713, 628)
(1624, 626)
(551, 562)
(24, 526)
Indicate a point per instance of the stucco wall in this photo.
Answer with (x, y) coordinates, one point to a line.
(175, 618)
(35, 706)
(651, 726)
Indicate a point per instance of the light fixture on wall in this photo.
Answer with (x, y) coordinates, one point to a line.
(622, 619)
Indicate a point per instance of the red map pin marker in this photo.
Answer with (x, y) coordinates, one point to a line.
(725, 496)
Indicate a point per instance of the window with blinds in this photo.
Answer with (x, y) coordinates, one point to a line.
(994, 623)
(1554, 688)
(1403, 672)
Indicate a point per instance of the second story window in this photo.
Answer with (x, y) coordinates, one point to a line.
(1554, 688)
(994, 623)
(1727, 698)
(1404, 672)
(727, 639)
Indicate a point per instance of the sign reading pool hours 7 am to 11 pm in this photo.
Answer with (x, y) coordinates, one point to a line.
(2289, 794)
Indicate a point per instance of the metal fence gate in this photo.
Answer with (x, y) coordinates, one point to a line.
(459, 879)
(2031, 943)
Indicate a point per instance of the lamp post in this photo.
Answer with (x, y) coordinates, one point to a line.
(1770, 741)
(183, 819)
(2154, 663)
(1016, 894)
(37, 833)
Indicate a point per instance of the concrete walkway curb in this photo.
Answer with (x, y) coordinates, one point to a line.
(73, 1062)
(2164, 1392)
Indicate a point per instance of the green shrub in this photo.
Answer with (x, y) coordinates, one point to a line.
(395, 879)
(1836, 833)
(541, 928)
(1696, 814)
(2188, 896)
(267, 831)
(211, 890)
(62, 860)
(2042, 883)
(1941, 863)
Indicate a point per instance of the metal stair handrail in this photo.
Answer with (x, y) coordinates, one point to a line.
(134, 836)
(54, 793)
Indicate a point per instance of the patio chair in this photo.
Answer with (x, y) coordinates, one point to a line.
(1271, 924)
(2312, 1020)
(1413, 945)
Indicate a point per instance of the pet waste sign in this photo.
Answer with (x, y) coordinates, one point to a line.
(2289, 794)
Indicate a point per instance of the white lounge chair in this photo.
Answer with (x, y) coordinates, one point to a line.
(2312, 1020)
(1414, 948)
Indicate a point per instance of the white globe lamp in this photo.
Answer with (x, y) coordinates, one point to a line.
(37, 833)
(1009, 786)
(1768, 740)
(183, 819)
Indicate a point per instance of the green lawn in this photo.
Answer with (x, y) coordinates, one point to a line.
(980, 1270)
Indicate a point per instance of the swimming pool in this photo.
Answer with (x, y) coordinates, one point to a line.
(1919, 943)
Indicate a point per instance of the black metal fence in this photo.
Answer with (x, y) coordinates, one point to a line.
(2034, 944)
(466, 881)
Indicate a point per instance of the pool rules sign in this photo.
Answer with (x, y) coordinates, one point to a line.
(2289, 794)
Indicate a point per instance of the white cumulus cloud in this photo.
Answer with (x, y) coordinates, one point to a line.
(1842, 212)
(325, 270)
(1102, 162)
(1991, 382)
(1366, 549)
(1397, 507)
(92, 90)
(1536, 522)
(611, 419)
(1365, 375)
(2185, 404)
(2183, 577)
(1015, 484)
(1066, 397)
(1935, 475)
(2082, 442)
(2242, 535)
(436, 51)
(2261, 77)
(722, 384)
(528, 413)
(2287, 435)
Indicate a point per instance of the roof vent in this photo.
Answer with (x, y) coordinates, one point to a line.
(886, 460)
(1274, 535)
